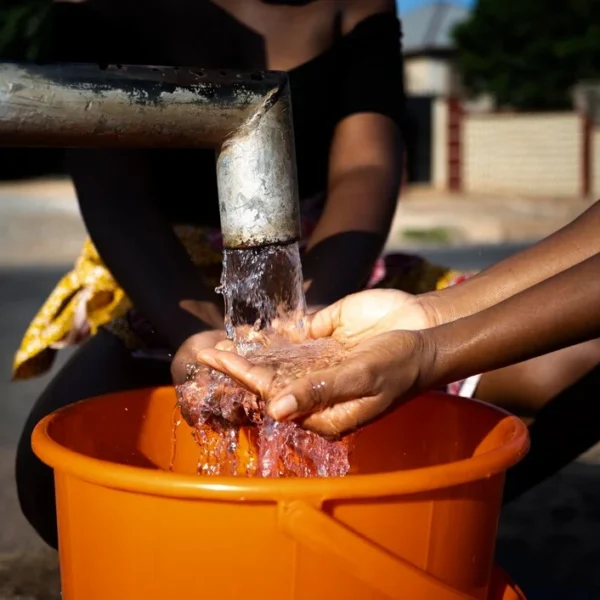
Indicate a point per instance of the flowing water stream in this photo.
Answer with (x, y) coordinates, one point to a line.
(265, 318)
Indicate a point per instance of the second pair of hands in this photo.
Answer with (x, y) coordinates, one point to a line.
(380, 329)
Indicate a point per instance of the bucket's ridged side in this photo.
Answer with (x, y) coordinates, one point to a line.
(122, 546)
(116, 544)
(436, 531)
(143, 534)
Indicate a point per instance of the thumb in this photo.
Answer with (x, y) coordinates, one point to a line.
(351, 379)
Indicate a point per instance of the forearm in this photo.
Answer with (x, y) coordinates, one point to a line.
(350, 235)
(567, 247)
(138, 244)
(558, 312)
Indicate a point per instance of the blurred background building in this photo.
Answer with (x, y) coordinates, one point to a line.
(461, 136)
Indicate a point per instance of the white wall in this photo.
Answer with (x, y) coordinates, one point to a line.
(534, 154)
(439, 143)
(425, 76)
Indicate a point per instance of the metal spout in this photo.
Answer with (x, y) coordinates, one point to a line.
(246, 117)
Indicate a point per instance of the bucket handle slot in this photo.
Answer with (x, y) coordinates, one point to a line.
(365, 561)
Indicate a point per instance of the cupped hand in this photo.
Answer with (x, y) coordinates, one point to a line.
(188, 351)
(376, 374)
(370, 313)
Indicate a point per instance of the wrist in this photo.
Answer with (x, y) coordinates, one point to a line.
(437, 309)
(454, 350)
(429, 371)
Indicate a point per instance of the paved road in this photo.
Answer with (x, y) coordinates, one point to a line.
(21, 292)
(471, 257)
(549, 536)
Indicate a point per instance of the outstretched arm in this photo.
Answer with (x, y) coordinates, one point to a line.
(364, 160)
(393, 367)
(570, 245)
(558, 312)
(386, 369)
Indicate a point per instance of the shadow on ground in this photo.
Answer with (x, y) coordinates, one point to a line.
(548, 539)
(29, 576)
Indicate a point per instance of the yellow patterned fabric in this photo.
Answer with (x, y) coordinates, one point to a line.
(88, 298)
(84, 299)
(451, 277)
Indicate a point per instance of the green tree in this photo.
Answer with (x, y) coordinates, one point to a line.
(528, 54)
(22, 28)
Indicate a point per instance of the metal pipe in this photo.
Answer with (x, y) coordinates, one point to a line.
(257, 162)
(245, 116)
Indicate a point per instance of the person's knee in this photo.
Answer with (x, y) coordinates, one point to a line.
(591, 352)
(35, 490)
(527, 387)
(553, 373)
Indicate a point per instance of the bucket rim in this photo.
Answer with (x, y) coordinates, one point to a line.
(237, 489)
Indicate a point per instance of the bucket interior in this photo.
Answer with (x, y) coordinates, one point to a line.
(140, 429)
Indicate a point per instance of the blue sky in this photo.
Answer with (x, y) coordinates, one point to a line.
(406, 5)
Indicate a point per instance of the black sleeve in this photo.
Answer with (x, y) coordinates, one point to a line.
(373, 69)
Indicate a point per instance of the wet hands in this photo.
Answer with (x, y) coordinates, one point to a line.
(366, 314)
(188, 351)
(336, 400)
(381, 365)
(214, 395)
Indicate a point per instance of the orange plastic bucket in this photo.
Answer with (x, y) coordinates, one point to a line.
(417, 520)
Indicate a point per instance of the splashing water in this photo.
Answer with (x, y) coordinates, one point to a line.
(263, 294)
(265, 318)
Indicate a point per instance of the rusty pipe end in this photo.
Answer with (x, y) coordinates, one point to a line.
(257, 178)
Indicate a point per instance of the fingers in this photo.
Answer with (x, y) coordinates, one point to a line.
(324, 322)
(350, 379)
(339, 399)
(259, 380)
(186, 354)
(330, 402)
(334, 401)
(345, 417)
(330, 320)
